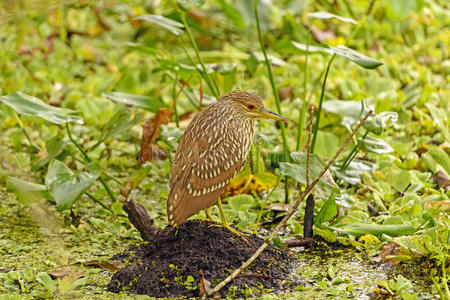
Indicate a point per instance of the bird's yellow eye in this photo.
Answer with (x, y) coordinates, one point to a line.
(251, 106)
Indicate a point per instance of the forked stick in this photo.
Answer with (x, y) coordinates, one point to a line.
(291, 211)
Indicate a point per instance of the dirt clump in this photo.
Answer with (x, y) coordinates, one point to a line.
(171, 264)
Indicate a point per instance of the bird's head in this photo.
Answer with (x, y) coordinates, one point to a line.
(249, 105)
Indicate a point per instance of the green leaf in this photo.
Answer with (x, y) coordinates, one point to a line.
(26, 191)
(311, 48)
(400, 179)
(375, 229)
(67, 187)
(375, 145)
(342, 51)
(297, 169)
(46, 281)
(327, 212)
(376, 123)
(344, 108)
(352, 174)
(356, 57)
(31, 106)
(144, 102)
(118, 124)
(325, 15)
(169, 24)
(241, 202)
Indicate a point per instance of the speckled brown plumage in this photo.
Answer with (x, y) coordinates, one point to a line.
(211, 152)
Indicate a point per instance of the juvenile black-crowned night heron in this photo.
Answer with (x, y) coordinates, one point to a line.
(212, 150)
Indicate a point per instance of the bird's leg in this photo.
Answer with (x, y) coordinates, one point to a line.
(208, 215)
(225, 222)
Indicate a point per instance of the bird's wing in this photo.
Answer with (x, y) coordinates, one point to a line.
(206, 160)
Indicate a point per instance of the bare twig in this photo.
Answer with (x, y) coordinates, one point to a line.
(287, 217)
(304, 242)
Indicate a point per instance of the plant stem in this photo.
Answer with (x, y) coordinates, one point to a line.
(291, 211)
(88, 159)
(275, 95)
(352, 154)
(175, 110)
(272, 81)
(319, 110)
(301, 117)
(24, 130)
(98, 202)
(211, 84)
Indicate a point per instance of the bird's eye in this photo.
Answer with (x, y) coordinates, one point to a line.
(251, 106)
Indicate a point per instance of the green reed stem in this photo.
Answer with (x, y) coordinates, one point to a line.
(301, 116)
(319, 110)
(88, 159)
(211, 83)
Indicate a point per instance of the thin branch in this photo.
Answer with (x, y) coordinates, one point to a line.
(287, 217)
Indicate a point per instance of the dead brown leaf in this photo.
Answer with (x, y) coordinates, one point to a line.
(150, 133)
(204, 287)
(105, 265)
(61, 273)
(442, 180)
(389, 250)
(441, 205)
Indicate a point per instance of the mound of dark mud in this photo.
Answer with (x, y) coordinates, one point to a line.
(166, 266)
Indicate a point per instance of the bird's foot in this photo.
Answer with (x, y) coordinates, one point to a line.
(233, 230)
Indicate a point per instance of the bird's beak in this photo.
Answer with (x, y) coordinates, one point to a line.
(267, 114)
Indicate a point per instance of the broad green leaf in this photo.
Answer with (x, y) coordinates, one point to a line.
(325, 15)
(327, 212)
(121, 122)
(67, 187)
(46, 281)
(398, 178)
(169, 24)
(377, 122)
(352, 174)
(375, 229)
(375, 145)
(144, 102)
(327, 144)
(297, 169)
(26, 191)
(311, 48)
(342, 51)
(346, 109)
(241, 202)
(356, 57)
(31, 106)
